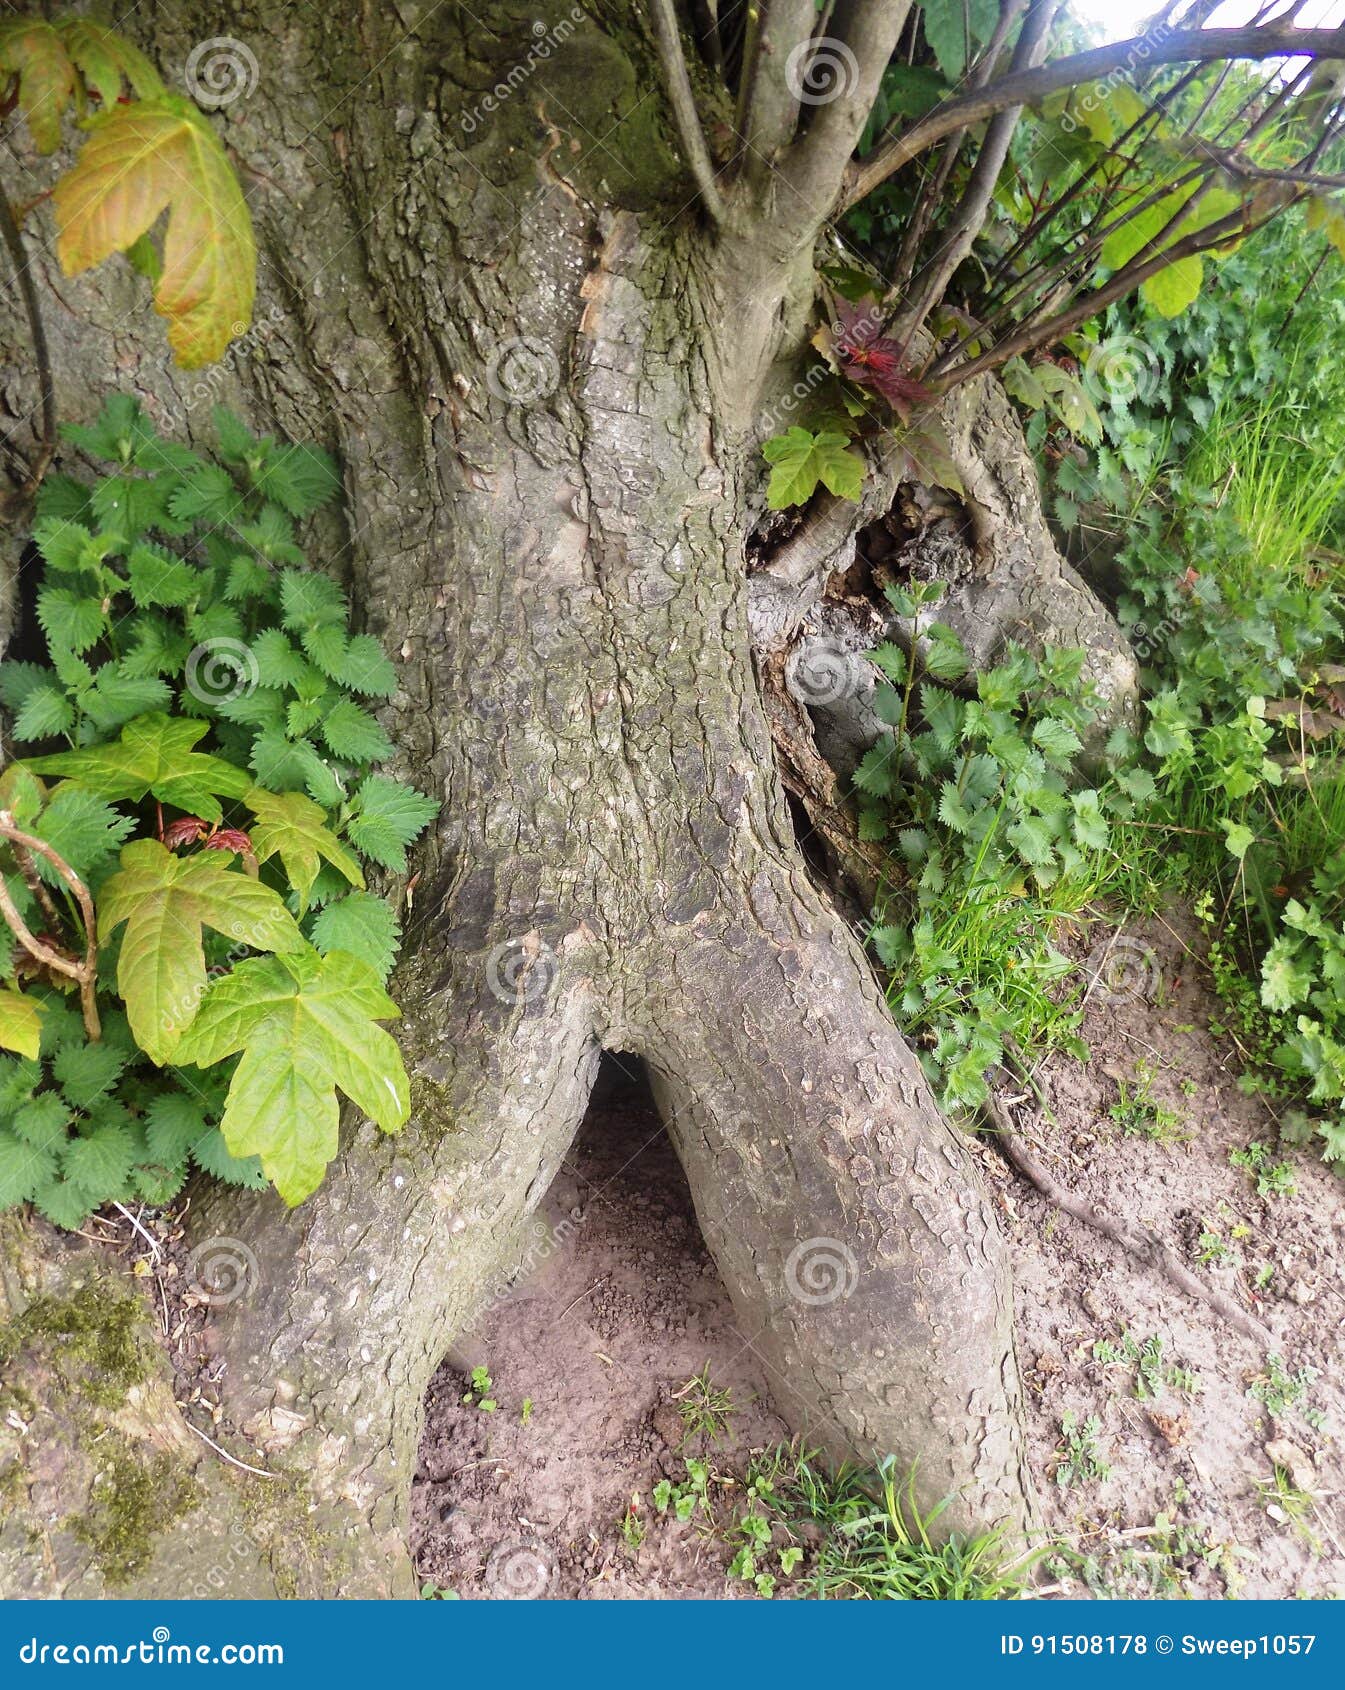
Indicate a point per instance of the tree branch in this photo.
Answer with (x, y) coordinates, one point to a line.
(1029, 88)
(683, 103)
(85, 972)
(768, 108)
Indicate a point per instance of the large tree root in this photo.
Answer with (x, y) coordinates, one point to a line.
(1138, 1242)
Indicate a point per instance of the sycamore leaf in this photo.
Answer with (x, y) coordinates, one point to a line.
(1329, 216)
(1175, 287)
(20, 1023)
(146, 158)
(305, 1026)
(165, 900)
(34, 52)
(295, 828)
(801, 459)
(154, 755)
(105, 59)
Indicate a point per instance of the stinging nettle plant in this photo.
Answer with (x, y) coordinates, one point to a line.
(195, 854)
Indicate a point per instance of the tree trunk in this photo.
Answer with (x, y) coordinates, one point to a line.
(541, 377)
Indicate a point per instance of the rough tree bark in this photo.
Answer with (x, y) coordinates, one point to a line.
(542, 374)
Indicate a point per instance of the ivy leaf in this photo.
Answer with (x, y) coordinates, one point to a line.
(165, 900)
(153, 756)
(801, 459)
(20, 1023)
(143, 159)
(305, 1026)
(293, 827)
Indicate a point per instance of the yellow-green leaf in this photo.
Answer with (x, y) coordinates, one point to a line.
(34, 52)
(105, 60)
(295, 828)
(20, 1023)
(1173, 289)
(154, 756)
(306, 1027)
(165, 900)
(1329, 216)
(146, 158)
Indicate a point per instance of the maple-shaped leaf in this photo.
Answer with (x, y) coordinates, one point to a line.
(800, 459)
(35, 53)
(105, 60)
(294, 828)
(874, 360)
(165, 901)
(306, 1027)
(153, 756)
(146, 158)
(20, 1022)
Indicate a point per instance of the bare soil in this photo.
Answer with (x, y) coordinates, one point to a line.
(619, 1306)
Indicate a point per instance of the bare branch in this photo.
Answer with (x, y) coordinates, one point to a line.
(85, 972)
(683, 103)
(1028, 88)
(1032, 335)
(768, 108)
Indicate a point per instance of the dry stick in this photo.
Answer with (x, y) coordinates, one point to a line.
(1141, 1243)
(86, 972)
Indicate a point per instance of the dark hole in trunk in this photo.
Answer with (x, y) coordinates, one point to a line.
(618, 1307)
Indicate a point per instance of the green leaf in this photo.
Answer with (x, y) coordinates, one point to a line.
(46, 711)
(143, 159)
(99, 1161)
(158, 578)
(1174, 287)
(82, 829)
(387, 817)
(294, 828)
(299, 477)
(801, 459)
(354, 735)
(87, 1072)
(362, 924)
(34, 51)
(69, 620)
(305, 1026)
(1238, 839)
(174, 1125)
(366, 669)
(211, 1154)
(1057, 739)
(165, 900)
(310, 599)
(154, 756)
(20, 1022)
(22, 1169)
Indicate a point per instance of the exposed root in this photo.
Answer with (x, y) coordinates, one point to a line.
(1144, 1245)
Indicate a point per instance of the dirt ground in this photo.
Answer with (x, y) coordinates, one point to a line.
(622, 1306)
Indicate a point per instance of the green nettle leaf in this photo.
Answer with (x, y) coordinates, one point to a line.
(46, 711)
(802, 459)
(99, 1161)
(82, 829)
(293, 827)
(165, 901)
(174, 1125)
(386, 817)
(20, 1022)
(306, 1027)
(158, 578)
(354, 735)
(154, 756)
(87, 1072)
(362, 924)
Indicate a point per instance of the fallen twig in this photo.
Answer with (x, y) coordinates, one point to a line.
(1138, 1241)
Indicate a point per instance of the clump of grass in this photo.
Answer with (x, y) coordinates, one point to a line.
(706, 1409)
